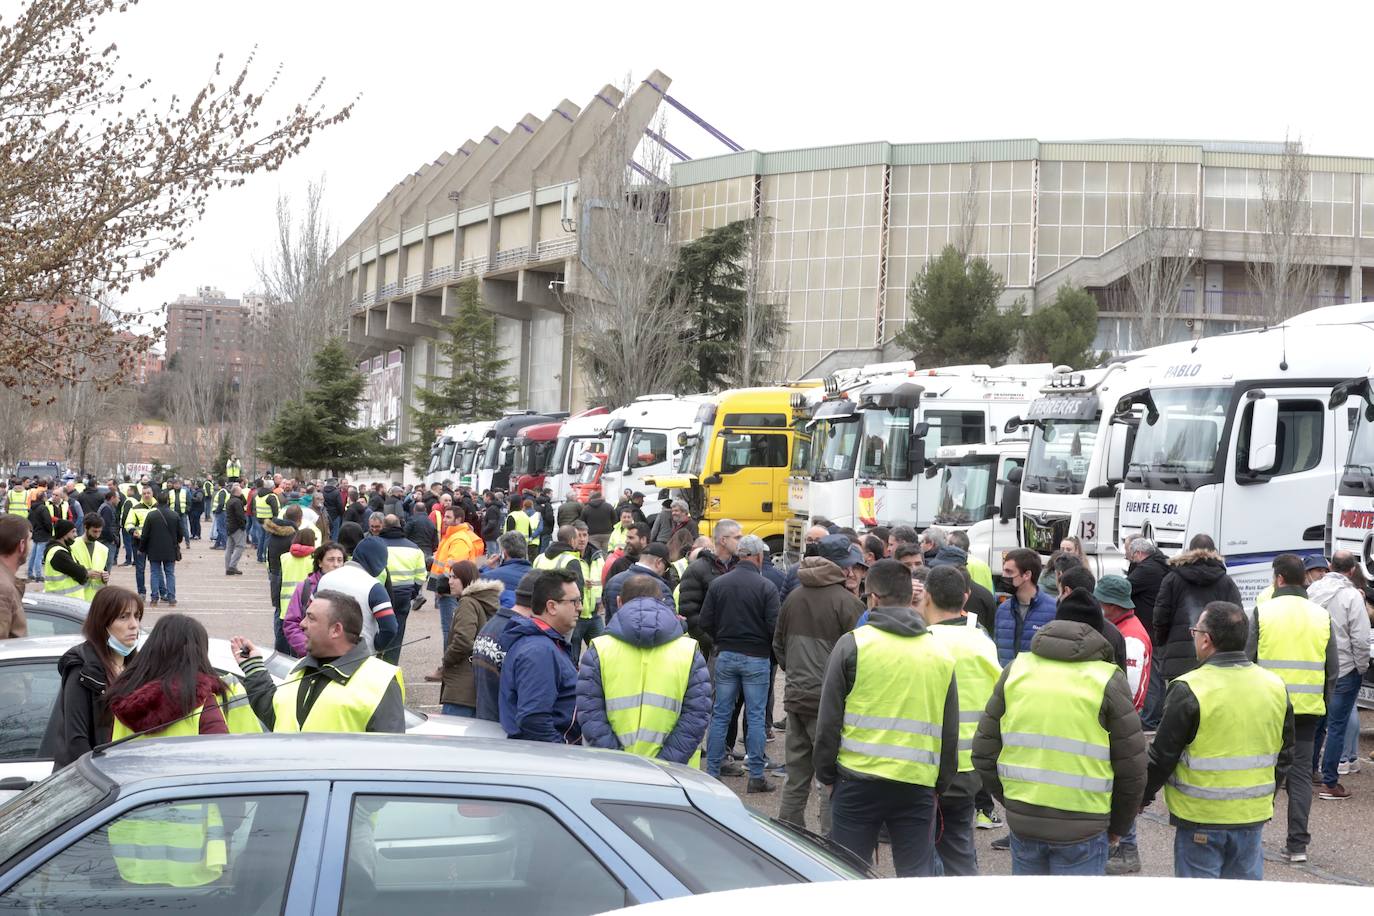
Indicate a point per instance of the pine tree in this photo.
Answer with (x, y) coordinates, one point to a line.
(478, 387)
(1062, 332)
(318, 431)
(954, 318)
(221, 457)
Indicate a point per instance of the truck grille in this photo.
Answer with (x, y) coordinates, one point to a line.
(1043, 531)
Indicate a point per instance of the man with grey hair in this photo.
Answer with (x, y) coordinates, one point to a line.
(1147, 569)
(514, 565)
(740, 613)
(932, 539)
(701, 572)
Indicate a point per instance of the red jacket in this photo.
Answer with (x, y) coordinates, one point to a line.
(1139, 652)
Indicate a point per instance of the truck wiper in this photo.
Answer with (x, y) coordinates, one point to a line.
(1365, 476)
(1143, 467)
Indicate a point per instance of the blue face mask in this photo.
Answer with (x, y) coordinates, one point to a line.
(122, 650)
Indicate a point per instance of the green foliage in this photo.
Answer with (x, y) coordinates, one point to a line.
(1062, 332)
(954, 319)
(317, 431)
(222, 457)
(478, 388)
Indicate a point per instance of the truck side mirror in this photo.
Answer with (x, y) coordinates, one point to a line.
(1264, 433)
(915, 454)
(920, 430)
(1013, 425)
(1011, 496)
(1118, 434)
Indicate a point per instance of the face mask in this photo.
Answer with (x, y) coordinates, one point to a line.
(120, 649)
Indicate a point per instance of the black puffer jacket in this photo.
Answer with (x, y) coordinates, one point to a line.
(1196, 578)
(80, 719)
(691, 594)
(1146, 577)
(599, 515)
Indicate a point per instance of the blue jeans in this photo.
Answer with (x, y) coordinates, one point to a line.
(334, 524)
(1033, 857)
(587, 629)
(262, 541)
(217, 531)
(392, 653)
(458, 709)
(1352, 735)
(1219, 853)
(736, 673)
(164, 580)
(447, 604)
(36, 560)
(140, 562)
(1129, 838)
(128, 548)
(1338, 717)
(110, 551)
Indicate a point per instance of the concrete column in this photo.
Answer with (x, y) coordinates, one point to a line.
(1356, 246)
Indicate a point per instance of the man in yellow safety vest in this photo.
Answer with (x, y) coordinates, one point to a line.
(643, 686)
(92, 554)
(63, 573)
(977, 671)
(1223, 747)
(1060, 745)
(887, 733)
(17, 500)
(338, 687)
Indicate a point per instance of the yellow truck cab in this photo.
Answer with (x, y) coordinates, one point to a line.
(736, 462)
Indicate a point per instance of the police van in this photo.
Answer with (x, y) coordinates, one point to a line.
(1233, 438)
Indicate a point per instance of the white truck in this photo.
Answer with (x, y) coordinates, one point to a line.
(873, 420)
(974, 481)
(454, 453)
(644, 443)
(580, 436)
(1237, 441)
(1350, 516)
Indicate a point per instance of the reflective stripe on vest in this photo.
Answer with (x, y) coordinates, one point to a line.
(405, 566)
(1293, 633)
(221, 500)
(975, 673)
(176, 500)
(644, 688)
(1226, 775)
(523, 524)
(17, 502)
(59, 583)
(893, 714)
(617, 538)
(92, 558)
(262, 507)
(346, 707)
(1055, 752)
(294, 571)
(566, 560)
(136, 517)
(177, 845)
(238, 712)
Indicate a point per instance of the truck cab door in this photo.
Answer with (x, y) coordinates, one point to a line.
(749, 482)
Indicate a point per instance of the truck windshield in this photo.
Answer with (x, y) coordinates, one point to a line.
(445, 456)
(466, 458)
(558, 455)
(491, 453)
(1060, 452)
(802, 440)
(966, 491)
(589, 472)
(1179, 450)
(694, 454)
(619, 442)
(886, 441)
(840, 453)
(1358, 479)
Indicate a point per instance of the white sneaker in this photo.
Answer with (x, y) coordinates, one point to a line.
(1346, 767)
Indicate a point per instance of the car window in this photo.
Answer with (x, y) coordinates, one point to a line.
(419, 855)
(752, 450)
(228, 856)
(697, 851)
(28, 692)
(45, 623)
(27, 817)
(647, 449)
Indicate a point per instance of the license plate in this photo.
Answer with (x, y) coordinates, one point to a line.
(1366, 696)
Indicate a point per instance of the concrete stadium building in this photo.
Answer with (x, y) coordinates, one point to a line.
(853, 225)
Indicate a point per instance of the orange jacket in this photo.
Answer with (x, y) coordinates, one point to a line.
(458, 543)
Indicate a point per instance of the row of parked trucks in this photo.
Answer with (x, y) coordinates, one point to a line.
(1263, 439)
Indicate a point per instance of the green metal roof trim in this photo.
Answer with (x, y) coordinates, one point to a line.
(753, 162)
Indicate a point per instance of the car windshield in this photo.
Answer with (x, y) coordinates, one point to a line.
(966, 492)
(1180, 448)
(840, 451)
(827, 851)
(32, 814)
(886, 441)
(588, 472)
(1060, 451)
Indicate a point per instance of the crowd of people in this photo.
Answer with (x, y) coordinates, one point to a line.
(920, 687)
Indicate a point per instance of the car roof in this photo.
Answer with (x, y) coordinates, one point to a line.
(37, 646)
(60, 604)
(322, 754)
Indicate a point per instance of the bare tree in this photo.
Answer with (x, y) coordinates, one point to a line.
(100, 184)
(764, 326)
(629, 329)
(100, 400)
(967, 215)
(1162, 251)
(1283, 263)
(200, 396)
(18, 426)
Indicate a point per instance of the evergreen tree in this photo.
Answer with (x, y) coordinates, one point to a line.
(221, 457)
(477, 389)
(318, 431)
(953, 314)
(1062, 332)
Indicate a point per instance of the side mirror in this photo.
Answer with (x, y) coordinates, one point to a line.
(1264, 432)
(682, 439)
(711, 479)
(1116, 452)
(920, 430)
(932, 472)
(916, 454)
(1013, 425)
(1011, 496)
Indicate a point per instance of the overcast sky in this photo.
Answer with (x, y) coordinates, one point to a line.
(771, 76)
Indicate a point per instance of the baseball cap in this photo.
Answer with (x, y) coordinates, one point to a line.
(1114, 590)
(837, 549)
(524, 592)
(1315, 563)
(655, 550)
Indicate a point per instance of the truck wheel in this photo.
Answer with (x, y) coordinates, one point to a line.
(775, 547)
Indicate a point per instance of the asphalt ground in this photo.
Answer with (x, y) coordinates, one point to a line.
(1342, 849)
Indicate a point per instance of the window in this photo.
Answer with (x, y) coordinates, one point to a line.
(229, 856)
(1299, 439)
(646, 448)
(46, 623)
(752, 450)
(416, 856)
(28, 693)
(776, 420)
(700, 854)
(953, 427)
(28, 817)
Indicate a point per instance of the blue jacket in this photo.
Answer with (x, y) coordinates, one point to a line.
(617, 582)
(538, 684)
(1013, 634)
(509, 574)
(645, 622)
(487, 656)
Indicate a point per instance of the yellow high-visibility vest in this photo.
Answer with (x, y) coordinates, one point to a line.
(1293, 633)
(644, 689)
(94, 558)
(346, 707)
